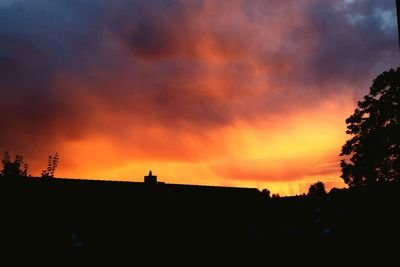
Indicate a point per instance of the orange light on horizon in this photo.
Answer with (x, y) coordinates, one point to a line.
(284, 156)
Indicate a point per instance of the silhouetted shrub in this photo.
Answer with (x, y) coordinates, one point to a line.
(52, 165)
(266, 193)
(317, 189)
(16, 168)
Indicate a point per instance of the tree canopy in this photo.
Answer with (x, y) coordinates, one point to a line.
(372, 155)
(317, 188)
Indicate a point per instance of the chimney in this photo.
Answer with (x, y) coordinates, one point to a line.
(150, 179)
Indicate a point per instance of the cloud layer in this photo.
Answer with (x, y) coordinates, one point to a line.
(120, 86)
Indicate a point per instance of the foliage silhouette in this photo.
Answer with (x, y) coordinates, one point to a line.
(372, 155)
(317, 188)
(16, 168)
(266, 193)
(52, 165)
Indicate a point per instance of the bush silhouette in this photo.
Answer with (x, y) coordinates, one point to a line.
(317, 189)
(16, 168)
(266, 193)
(52, 165)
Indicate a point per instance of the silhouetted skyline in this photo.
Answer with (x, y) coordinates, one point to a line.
(87, 221)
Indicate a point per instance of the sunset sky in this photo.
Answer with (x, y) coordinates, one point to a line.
(232, 92)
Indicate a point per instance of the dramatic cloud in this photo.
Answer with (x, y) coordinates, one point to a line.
(244, 93)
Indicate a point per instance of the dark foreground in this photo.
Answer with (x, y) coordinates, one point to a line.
(90, 222)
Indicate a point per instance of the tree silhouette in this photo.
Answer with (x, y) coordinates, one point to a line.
(373, 153)
(16, 168)
(52, 165)
(317, 188)
(266, 193)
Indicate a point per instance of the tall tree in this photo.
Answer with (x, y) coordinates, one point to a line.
(372, 155)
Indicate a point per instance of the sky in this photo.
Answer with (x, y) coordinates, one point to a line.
(244, 93)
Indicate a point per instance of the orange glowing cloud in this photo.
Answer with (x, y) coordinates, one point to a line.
(268, 152)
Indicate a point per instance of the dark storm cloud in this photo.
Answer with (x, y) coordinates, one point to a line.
(40, 40)
(354, 41)
(177, 63)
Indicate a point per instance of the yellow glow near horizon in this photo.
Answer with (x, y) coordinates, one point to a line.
(285, 157)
